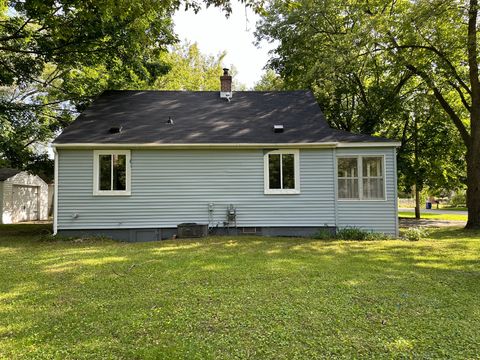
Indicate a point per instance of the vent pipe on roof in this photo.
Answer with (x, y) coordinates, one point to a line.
(226, 85)
(115, 130)
(278, 128)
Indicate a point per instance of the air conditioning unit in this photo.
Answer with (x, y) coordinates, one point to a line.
(192, 230)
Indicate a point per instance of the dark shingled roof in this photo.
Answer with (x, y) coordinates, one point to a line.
(202, 117)
(7, 173)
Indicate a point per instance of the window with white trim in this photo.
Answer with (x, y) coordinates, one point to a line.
(361, 178)
(282, 172)
(111, 172)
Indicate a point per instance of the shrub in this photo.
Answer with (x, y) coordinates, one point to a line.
(414, 233)
(350, 233)
(458, 199)
(324, 234)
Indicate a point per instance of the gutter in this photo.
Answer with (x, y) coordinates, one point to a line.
(225, 145)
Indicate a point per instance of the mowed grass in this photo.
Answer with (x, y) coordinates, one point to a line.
(239, 298)
(454, 217)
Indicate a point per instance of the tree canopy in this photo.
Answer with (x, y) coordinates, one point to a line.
(371, 64)
(55, 56)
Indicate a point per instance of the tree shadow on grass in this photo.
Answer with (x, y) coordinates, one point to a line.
(176, 296)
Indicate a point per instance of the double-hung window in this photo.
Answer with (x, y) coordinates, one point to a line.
(111, 172)
(282, 172)
(361, 178)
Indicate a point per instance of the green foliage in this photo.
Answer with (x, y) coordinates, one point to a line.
(324, 234)
(190, 70)
(350, 233)
(239, 298)
(354, 233)
(269, 81)
(414, 233)
(372, 64)
(458, 199)
(56, 56)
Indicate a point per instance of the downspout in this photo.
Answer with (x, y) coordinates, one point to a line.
(335, 185)
(55, 194)
(395, 192)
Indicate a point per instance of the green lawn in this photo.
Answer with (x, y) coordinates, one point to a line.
(241, 297)
(458, 217)
(453, 208)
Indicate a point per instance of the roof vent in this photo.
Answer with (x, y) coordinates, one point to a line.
(115, 130)
(170, 120)
(278, 128)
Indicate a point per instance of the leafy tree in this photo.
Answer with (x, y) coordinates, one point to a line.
(437, 42)
(321, 51)
(364, 60)
(55, 56)
(190, 69)
(269, 81)
(432, 155)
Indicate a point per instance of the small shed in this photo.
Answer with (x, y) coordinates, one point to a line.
(23, 197)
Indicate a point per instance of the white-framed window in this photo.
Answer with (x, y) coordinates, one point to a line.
(361, 177)
(282, 172)
(111, 172)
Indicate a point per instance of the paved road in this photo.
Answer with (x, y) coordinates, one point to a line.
(435, 211)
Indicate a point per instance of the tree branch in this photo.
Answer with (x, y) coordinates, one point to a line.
(445, 105)
(462, 96)
(441, 56)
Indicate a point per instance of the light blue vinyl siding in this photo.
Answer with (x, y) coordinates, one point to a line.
(175, 186)
(373, 215)
(169, 187)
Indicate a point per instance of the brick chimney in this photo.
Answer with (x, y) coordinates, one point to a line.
(226, 85)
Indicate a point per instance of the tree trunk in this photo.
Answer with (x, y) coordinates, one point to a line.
(417, 203)
(473, 146)
(417, 165)
(473, 175)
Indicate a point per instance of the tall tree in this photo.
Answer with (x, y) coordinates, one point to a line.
(269, 81)
(320, 50)
(55, 56)
(430, 42)
(189, 69)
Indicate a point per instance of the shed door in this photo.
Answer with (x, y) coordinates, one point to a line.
(25, 203)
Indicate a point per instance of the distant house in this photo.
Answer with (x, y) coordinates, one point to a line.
(23, 197)
(136, 164)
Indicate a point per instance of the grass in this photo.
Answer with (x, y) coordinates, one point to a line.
(453, 208)
(441, 207)
(454, 217)
(238, 297)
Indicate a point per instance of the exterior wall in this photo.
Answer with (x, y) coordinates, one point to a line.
(375, 215)
(169, 187)
(175, 186)
(25, 179)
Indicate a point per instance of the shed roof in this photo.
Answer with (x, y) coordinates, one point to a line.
(202, 117)
(7, 173)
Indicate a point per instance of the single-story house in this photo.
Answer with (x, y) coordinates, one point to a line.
(135, 164)
(23, 197)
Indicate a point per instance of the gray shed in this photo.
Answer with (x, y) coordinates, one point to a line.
(23, 197)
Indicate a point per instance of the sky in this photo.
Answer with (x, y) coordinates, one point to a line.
(214, 33)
